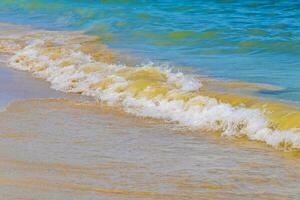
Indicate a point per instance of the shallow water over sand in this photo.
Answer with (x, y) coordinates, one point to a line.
(64, 150)
(61, 146)
(78, 149)
(77, 63)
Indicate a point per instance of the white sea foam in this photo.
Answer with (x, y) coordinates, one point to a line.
(146, 91)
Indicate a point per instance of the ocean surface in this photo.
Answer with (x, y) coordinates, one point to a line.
(120, 99)
(252, 41)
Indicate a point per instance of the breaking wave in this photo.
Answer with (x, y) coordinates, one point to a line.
(77, 63)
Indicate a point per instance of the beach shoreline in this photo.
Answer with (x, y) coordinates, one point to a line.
(154, 100)
(76, 63)
(66, 146)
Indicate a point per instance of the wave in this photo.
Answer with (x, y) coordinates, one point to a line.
(77, 63)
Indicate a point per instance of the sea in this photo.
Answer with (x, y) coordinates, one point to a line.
(125, 99)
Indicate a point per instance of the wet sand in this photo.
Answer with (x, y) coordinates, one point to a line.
(61, 146)
(19, 85)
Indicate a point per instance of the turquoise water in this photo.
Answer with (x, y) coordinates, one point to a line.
(254, 41)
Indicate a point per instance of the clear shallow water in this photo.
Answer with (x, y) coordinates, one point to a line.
(64, 149)
(62, 146)
(250, 41)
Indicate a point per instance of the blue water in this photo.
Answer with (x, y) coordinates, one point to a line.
(254, 41)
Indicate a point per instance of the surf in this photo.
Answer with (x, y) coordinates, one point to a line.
(74, 62)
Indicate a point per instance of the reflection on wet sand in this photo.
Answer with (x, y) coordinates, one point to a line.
(67, 149)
